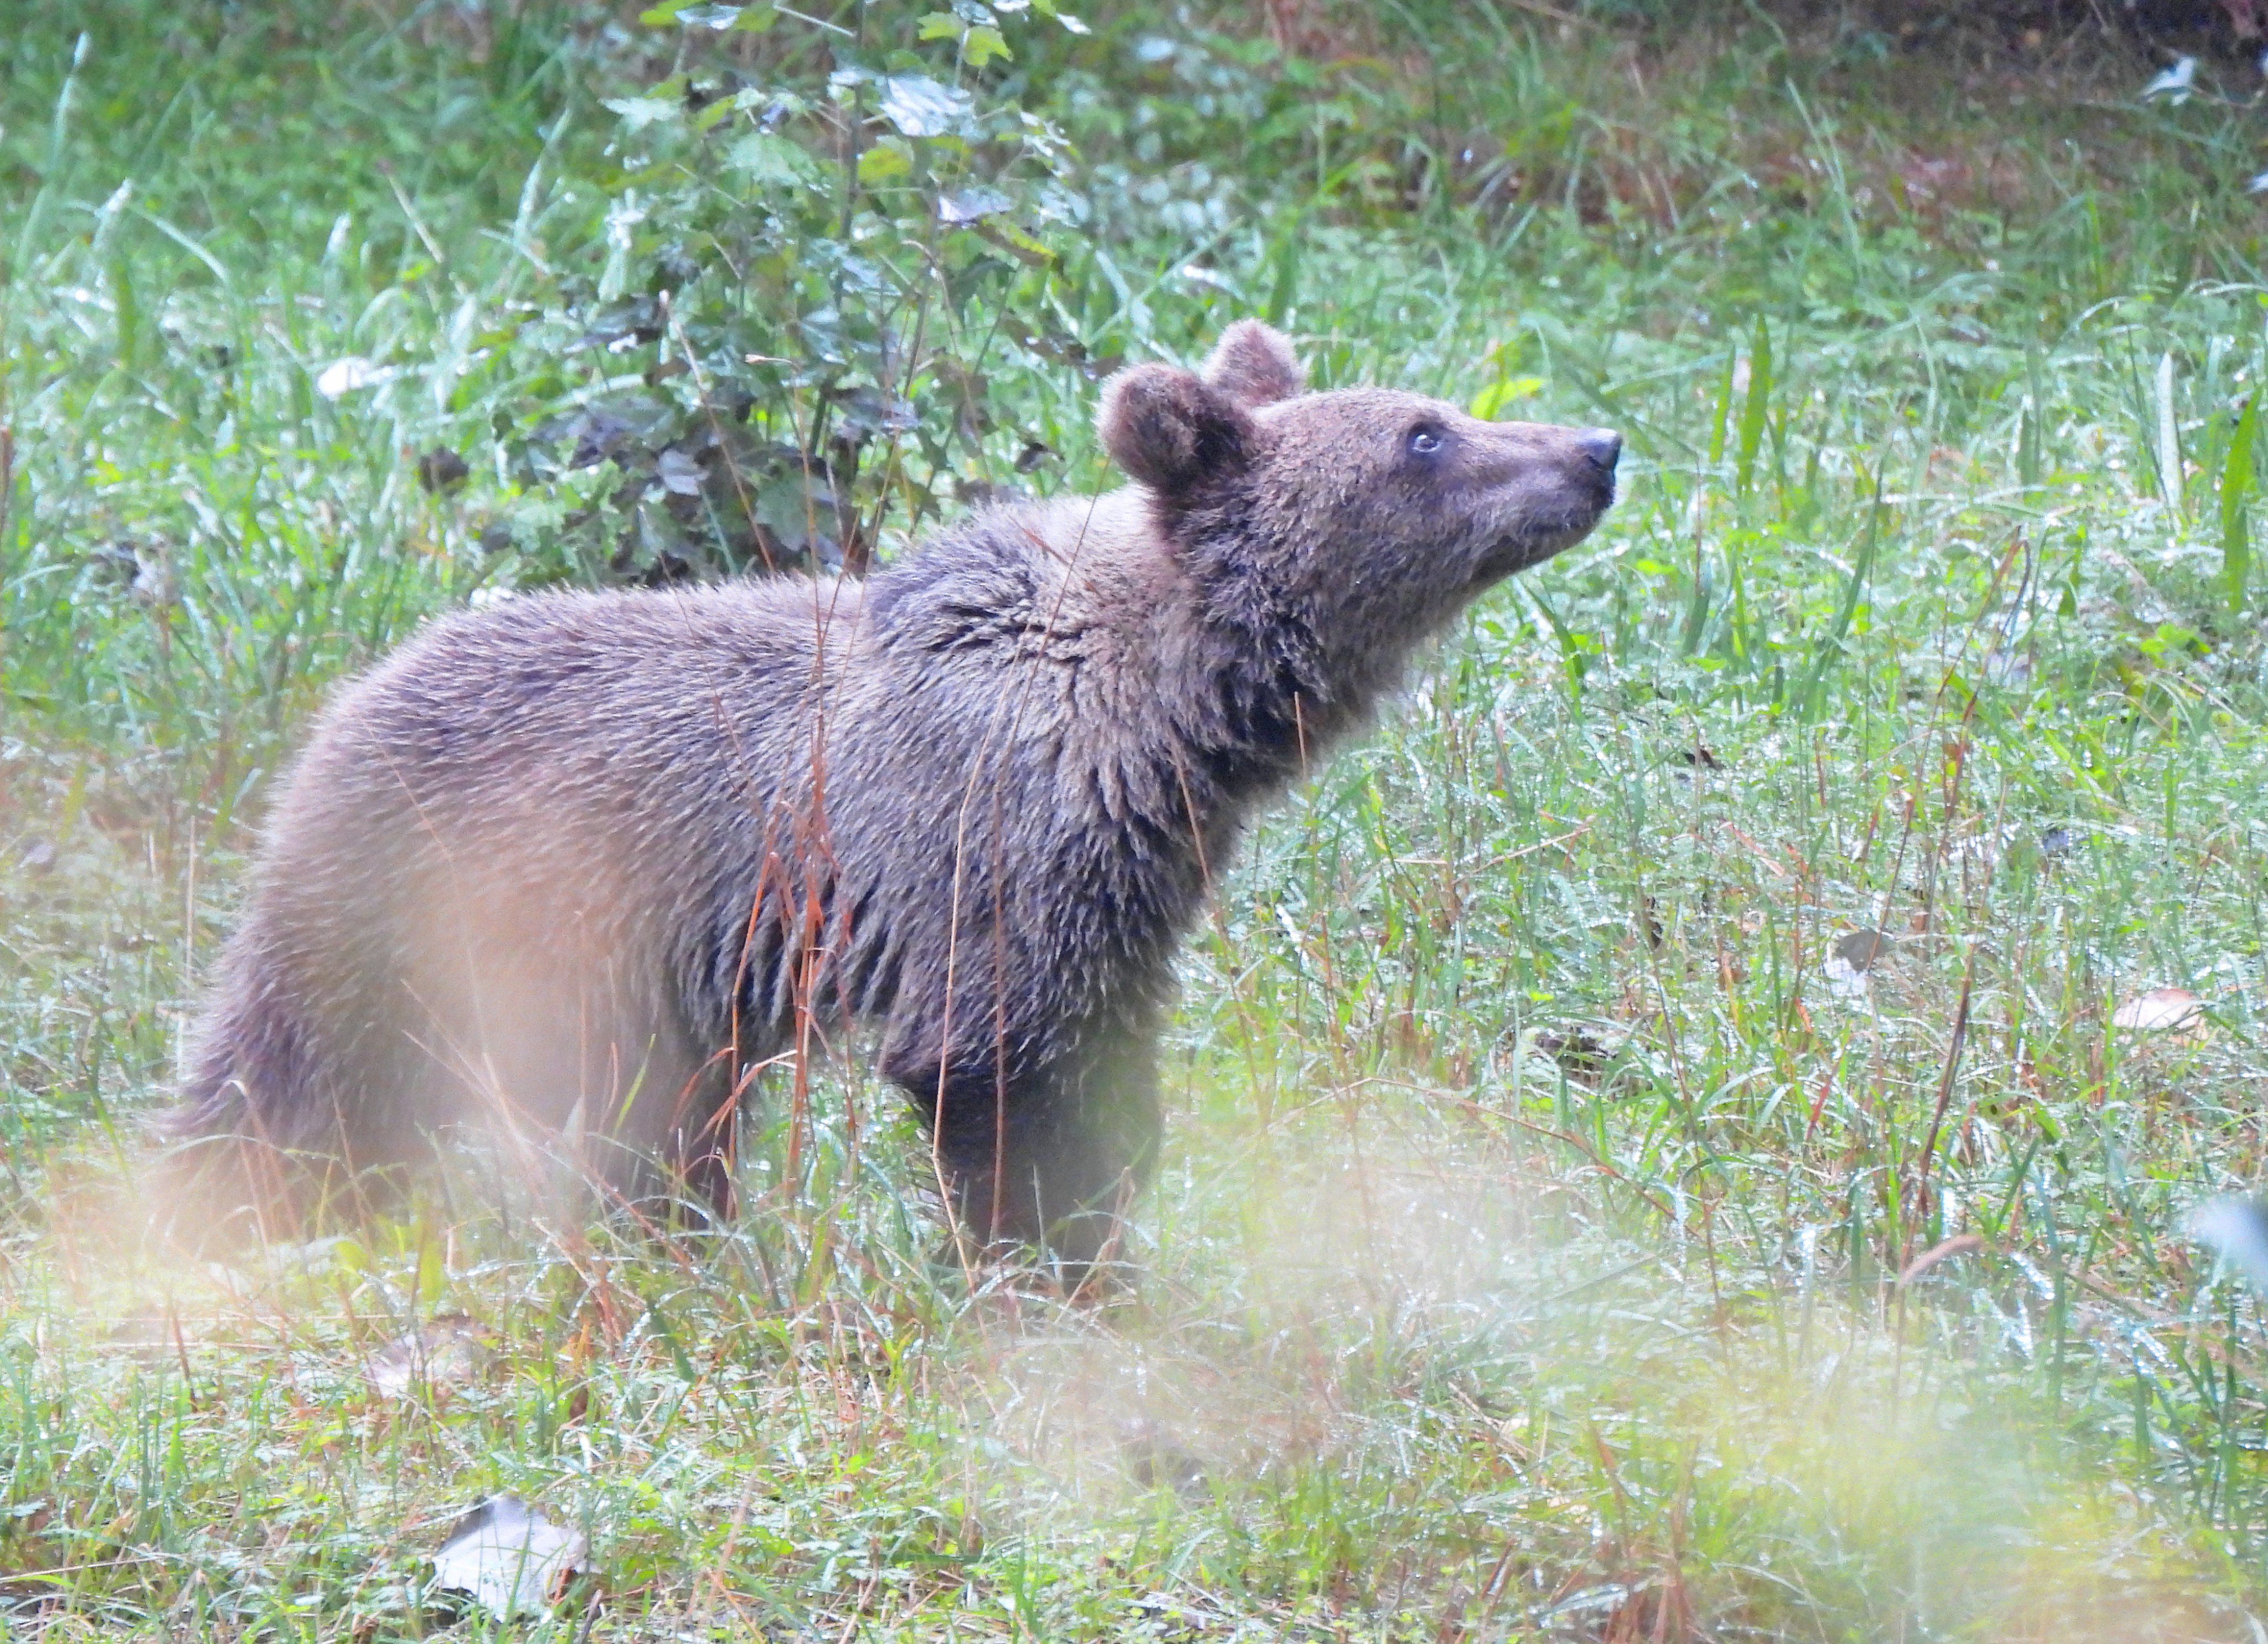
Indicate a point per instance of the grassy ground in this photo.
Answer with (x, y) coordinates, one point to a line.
(1542, 1248)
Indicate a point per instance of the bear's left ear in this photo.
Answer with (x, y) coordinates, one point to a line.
(1254, 364)
(1171, 430)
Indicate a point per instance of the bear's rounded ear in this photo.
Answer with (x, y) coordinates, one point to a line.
(1252, 365)
(1170, 430)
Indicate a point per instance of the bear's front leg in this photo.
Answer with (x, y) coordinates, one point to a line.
(1044, 1156)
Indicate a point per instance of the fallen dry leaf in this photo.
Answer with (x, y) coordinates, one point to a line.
(508, 1557)
(2162, 1010)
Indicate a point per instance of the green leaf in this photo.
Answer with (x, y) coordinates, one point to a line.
(940, 25)
(1756, 409)
(886, 162)
(1489, 403)
(1574, 646)
(432, 1278)
(793, 509)
(2237, 479)
(964, 206)
(1723, 413)
(922, 107)
(677, 1356)
(751, 99)
(1815, 680)
(982, 44)
(764, 156)
(1285, 286)
(2032, 451)
(638, 113)
(2170, 435)
(1015, 241)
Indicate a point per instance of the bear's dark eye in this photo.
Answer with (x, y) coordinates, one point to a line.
(1425, 440)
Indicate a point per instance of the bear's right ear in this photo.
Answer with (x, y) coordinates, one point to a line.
(1252, 365)
(1168, 429)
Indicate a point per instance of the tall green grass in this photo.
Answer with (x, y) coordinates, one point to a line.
(1528, 1259)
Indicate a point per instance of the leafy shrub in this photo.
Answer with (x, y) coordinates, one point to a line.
(813, 234)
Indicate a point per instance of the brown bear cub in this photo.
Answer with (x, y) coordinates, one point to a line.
(584, 862)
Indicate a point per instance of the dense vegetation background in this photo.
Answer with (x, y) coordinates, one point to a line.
(1683, 1135)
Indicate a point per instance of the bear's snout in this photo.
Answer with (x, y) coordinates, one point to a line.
(1600, 449)
(1604, 447)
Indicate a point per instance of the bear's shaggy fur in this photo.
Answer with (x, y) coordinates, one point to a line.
(587, 861)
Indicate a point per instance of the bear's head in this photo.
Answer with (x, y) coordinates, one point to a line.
(1370, 514)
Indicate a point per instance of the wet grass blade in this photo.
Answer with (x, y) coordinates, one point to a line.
(1810, 691)
(2238, 477)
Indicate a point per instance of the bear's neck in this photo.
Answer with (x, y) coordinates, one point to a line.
(1258, 691)
(1295, 674)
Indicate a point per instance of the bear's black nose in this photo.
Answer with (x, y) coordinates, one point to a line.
(1604, 447)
